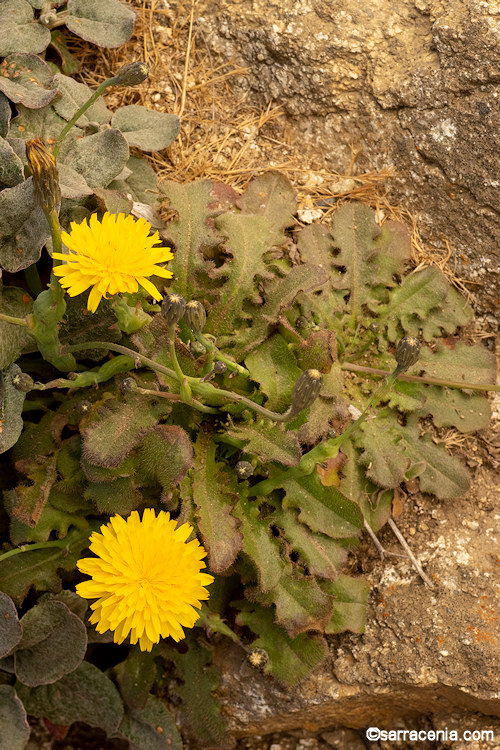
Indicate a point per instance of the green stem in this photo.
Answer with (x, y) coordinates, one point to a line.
(39, 545)
(32, 278)
(14, 321)
(233, 366)
(201, 389)
(417, 379)
(64, 132)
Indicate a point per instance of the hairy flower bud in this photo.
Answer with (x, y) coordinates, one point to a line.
(219, 367)
(172, 308)
(195, 315)
(407, 352)
(45, 175)
(243, 470)
(131, 74)
(128, 385)
(306, 390)
(23, 382)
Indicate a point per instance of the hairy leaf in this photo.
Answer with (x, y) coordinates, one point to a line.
(5, 115)
(72, 96)
(11, 166)
(199, 706)
(15, 730)
(14, 340)
(135, 677)
(31, 498)
(98, 158)
(85, 694)
(270, 195)
(351, 599)
(108, 23)
(269, 441)
(151, 727)
(453, 408)
(27, 79)
(214, 494)
(260, 546)
(53, 644)
(10, 628)
(117, 496)
(11, 408)
(375, 505)
(474, 364)
(145, 128)
(165, 454)
(23, 227)
(322, 555)
(20, 32)
(274, 367)
(141, 185)
(290, 659)
(323, 509)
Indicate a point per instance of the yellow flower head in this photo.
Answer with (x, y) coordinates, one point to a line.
(113, 255)
(146, 579)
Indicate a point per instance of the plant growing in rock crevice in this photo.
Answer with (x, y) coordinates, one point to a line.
(229, 408)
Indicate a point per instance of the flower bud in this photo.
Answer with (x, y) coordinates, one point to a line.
(219, 368)
(258, 658)
(306, 390)
(131, 74)
(195, 315)
(243, 470)
(407, 352)
(128, 385)
(197, 349)
(23, 382)
(45, 175)
(172, 308)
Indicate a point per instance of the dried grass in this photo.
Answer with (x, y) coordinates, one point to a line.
(225, 138)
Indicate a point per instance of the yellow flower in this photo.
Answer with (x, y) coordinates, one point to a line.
(146, 579)
(113, 255)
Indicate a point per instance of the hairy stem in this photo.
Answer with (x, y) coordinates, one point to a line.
(417, 379)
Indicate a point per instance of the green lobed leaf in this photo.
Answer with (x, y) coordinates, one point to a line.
(270, 195)
(14, 728)
(274, 367)
(11, 166)
(473, 364)
(351, 599)
(10, 628)
(39, 568)
(281, 295)
(375, 505)
(215, 493)
(369, 254)
(72, 96)
(27, 79)
(98, 158)
(85, 694)
(145, 128)
(116, 429)
(165, 455)
(392, 451)
(247, 238)
(260, 546)
(322, 555)
(290, 659)
(201, 710)
(23, 227)
(107, 23)
(190, 231)
(455, 312)
(11, 408)
(53, 644)
(135, 677)
(30, 499)
(20, 31)
(119, 495)
(328, 407)
(150, 728)
(13, 339)
(323, 509)
(269, 441)
(451, 407)
(301, 605)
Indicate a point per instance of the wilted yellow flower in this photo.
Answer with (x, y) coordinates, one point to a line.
(113, 255)
(146, 578)
(45, 177)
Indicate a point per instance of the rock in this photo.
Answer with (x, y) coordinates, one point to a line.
(414, 84)
(425, 652)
